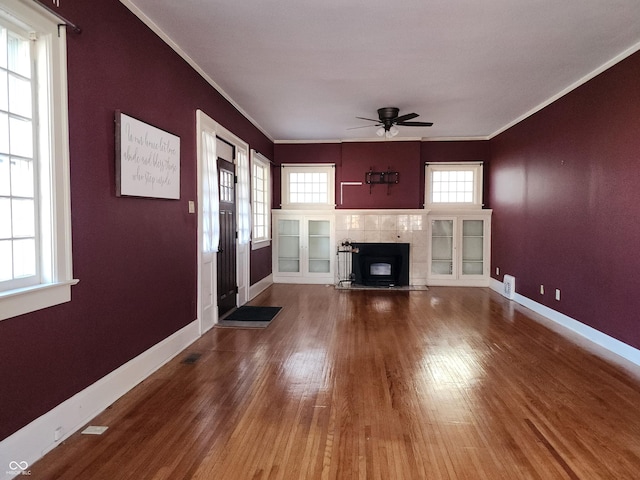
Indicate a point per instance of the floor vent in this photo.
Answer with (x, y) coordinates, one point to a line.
(192, 358)
(509, 287)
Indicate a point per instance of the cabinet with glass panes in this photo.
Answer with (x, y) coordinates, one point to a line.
(303, 248)
(459, 248)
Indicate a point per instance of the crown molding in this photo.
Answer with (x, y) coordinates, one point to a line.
(176, 48)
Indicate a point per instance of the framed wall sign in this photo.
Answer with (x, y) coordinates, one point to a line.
(147, 160)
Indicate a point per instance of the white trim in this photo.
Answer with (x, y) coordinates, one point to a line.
(456, 139)
(260, 286)
(609, 348)
(36, 297)
(605, 66)
(33, 441)
(258, 244)
(478, 183)
(53, 288)
(348, 184)
(328, 168)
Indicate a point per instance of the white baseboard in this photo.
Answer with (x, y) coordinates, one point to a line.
(599, 343)
(33, 441)
(260, 286)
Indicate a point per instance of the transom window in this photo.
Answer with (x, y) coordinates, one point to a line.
(453, 185)
(308, 186)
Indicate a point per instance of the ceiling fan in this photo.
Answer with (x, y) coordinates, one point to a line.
(388, 119)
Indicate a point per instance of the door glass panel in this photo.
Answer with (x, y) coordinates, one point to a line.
(442, 247)
(319, 248)
(319, 266)
(289, 246)
(319, 227)
(473, 228)
(288, 227)
(472, 247)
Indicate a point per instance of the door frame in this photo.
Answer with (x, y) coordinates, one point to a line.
(204, 122)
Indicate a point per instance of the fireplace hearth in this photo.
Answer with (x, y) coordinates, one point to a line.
(381, 264)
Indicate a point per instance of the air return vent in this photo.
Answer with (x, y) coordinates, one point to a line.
(192, 358)
(509, 287)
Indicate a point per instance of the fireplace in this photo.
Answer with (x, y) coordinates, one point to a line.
(381, 264)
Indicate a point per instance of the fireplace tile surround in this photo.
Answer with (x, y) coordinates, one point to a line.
(402, 226)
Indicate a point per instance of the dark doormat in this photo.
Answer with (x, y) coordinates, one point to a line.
(250, 317)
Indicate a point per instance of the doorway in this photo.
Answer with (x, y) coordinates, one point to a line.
(223, 260)
(226, 264)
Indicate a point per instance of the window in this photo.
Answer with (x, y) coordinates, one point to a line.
(261, 200)
(453, 185)
(308, 186)
(35, 226)
(226, 186)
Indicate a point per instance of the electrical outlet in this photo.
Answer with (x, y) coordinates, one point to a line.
(541, 289)
(497, 271)
(57, 434)
(557, 294)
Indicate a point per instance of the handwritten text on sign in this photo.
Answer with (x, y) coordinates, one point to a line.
(149, 160)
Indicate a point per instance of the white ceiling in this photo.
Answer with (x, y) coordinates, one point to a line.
(304, 69)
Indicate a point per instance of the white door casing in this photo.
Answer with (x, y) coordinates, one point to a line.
(207, 268)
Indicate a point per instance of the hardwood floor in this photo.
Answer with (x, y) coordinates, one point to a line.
(450, 383)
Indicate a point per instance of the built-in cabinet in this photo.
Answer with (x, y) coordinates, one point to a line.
(446, 247)
(459, 248)
(304, 248)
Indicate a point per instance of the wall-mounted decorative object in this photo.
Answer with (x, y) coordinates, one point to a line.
(381, 178)
(147, 160)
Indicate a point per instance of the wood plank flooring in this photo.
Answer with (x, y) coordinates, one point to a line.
(450, 383)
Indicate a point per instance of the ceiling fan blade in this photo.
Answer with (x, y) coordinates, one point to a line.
(363, 126)
(370, 119)
(415, 124)
(403, 118)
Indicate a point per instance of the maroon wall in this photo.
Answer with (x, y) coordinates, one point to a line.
(359, 158)
(354, 159)
(135, 258)
(564, 189)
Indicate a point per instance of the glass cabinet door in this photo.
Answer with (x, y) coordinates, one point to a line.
(472, 247)
(319, 241)
(289, 246)
(442, 247)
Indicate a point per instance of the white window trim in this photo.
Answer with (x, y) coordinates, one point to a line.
(328, 168)
(258, 158)
(57, 273)
(477, 168)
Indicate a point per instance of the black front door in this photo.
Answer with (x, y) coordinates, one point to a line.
(227, 251)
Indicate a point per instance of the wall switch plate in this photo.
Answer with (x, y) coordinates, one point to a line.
(57, 434)
(557, 294)
(541, 289)
(497, 271)
(192, 206)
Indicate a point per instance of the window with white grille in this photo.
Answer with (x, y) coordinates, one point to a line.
(226, 186)
(35, 231)
(261, 200)
(308, 186)
(453, 185)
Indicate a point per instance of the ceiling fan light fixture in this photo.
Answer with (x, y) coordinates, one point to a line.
(380, 132)
(393, 131)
